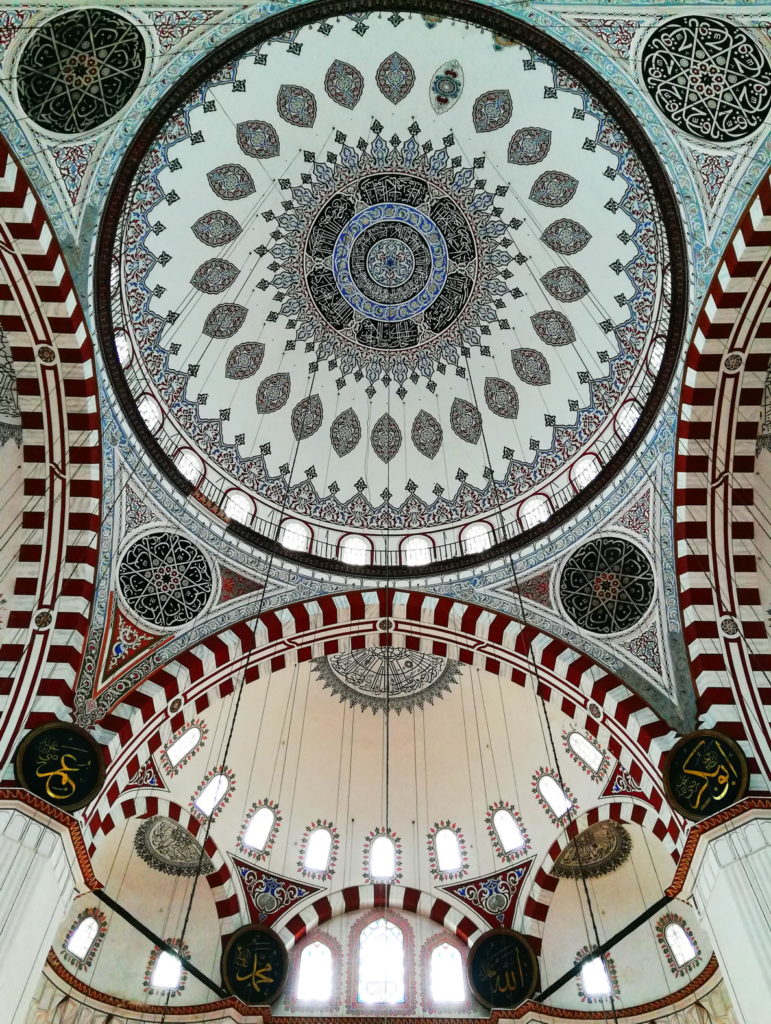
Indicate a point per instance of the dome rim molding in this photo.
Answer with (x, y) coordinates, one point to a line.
(479, 16)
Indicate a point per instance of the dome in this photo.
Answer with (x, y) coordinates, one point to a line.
(381, 297)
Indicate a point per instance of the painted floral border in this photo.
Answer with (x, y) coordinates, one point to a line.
(601, 772)
(184, 950)
(675, 968)
(610, 966)
(249, 851)
(220, 770)
(568, 815)
(371, 837)
(513, 855)
(322, 876)
(174, 769)
(84, 963)
(446, 876)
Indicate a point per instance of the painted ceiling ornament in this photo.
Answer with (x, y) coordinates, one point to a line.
(216, 228)
(258, 139)
(307, 416)
(553, 328)
(426, 434)
(296, 105)
(553, 188)
(566, 236)
(345, 432)
(273, 393)
(411, 679)
(225, 320)
(244, 360)
(395, 77)
(529, 146)
(709, 77)
(446, 86)
(495, 896)
(386, 438)
(501, 398)
(531, 366)
(597, 850)
(231, 181)
(343, 83)
(565, 284)
(492, 110)
(214, 276)
(167, 846)
(165, 579)
(606, 585)
(79, 69)
(465, 420)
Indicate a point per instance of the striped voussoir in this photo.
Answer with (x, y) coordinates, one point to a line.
(717, 521)
(204, 674)
(49, 607)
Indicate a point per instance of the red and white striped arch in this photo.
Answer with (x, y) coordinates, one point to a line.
(53, 359)
(716, 517)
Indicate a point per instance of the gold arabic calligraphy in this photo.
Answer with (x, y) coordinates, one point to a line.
(59, 784)
(256, 975)
(716, 773)
(505, 973)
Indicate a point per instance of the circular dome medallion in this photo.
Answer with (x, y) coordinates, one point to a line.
(607, 585)
(78, 70)
(345, 278)
(165, 579)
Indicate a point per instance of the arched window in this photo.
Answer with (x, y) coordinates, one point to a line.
(416, 550)
(294, 535)
(508, 831)
(655, 357)
(595, 979)
(586, 752)
(476, 537)
(167, 972)
(554, 796)
(150, 412)
(448, 851)
(183, 745)
(584, 470)
(534, 511)
(83, 937)
(382, 859)
(683, 949)
(123, 348)
(258, 830)
(189, 465)
(381, 963)
(314, 979)
(626, 418)
(318, 850)
(355, 549)
(212, 795)
(238, 506)
(447, 982)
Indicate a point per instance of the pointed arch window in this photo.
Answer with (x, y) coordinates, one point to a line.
(381, 963)
(447, 851)
(382, 859)
(213, 793)
(678, 944)
(165, 974)
(557, 800)
(318, 850)
(184, 744)
(683, 950)
(446, 974)
(84, 938)
(586, 753)
(316, 974)
(259, 827)
(510, 835)
(595, 979)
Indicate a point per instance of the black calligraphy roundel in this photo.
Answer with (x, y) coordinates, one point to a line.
(79, 69)
(606, 585)
(502, 969)
(62, 764)
(704, 773)
(254, 965)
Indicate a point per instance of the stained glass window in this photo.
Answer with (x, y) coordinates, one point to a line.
(381, 963)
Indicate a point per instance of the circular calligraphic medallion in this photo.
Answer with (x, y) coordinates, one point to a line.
(502, 969)
(62, 764)
(704, 773)
(254, 965)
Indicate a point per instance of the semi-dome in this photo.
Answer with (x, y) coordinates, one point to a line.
(385, 299)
